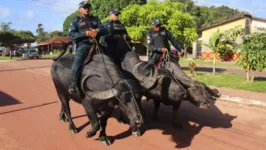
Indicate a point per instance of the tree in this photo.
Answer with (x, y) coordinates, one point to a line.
(190, 35)
(214, 46)
(137, 19)
(23, 37)
(226, 41)
(40, 29)
(56, 33)
(43, 36)
(101, 9)
(67, 22)
(253, 53)
(5, 26)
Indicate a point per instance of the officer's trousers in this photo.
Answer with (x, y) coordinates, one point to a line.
(80, 56)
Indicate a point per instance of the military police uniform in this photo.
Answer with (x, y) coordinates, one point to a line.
(157, 40)
(113, 41)
(77, 33)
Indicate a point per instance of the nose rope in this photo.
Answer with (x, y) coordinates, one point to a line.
(98, 50)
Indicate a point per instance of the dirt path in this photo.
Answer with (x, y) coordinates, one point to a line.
(29, 110)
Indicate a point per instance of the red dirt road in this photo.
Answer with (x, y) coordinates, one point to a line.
(29, 119)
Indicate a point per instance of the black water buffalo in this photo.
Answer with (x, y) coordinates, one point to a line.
(164, 88)
(102, 87)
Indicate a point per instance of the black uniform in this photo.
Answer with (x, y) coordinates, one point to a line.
(115, 45)
(157, 40)
(77, 33)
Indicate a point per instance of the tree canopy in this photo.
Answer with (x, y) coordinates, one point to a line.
(8, 38)
(101, 9)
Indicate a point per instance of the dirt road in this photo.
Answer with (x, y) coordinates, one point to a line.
(29, 119)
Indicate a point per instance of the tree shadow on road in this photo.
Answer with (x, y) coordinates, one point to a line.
(6, 99)
(193, 120)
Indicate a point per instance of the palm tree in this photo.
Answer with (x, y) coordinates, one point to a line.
(40, 28)
(214, 45)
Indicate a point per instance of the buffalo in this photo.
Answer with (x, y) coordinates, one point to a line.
(163, 86)
(102, 87)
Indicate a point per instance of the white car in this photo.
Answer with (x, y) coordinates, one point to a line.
(31, 53)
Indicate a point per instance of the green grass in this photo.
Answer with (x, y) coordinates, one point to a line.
(209, 63)
(8, 58)
(232, 81)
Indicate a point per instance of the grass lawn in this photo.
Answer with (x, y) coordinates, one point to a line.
(232, 81)
(209, 63)
(8, 58)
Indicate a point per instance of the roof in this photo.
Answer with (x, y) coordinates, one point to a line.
(57, 40)
(246, 15)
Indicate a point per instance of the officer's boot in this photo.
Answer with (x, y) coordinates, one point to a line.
(73, 88)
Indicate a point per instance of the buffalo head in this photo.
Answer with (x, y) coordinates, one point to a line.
(201, 95)
(127, 94)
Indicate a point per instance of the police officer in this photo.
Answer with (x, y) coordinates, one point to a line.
(116, 40)
(82, 29)
(157, 40)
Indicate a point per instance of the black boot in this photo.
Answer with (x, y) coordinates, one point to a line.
(73, 89)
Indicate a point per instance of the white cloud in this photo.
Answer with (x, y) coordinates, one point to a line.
(29, 14)
(66, 7)
(5, 12)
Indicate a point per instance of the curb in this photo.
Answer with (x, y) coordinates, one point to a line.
(253, 102)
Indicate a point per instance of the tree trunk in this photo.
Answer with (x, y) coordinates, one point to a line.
(214, 64)
(11, 53)
(185, 51)
(249, 76)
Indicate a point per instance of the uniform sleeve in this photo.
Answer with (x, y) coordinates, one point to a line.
(151, 45)
(173, 41)
(101, 28)
(74, 34)
(108, 34)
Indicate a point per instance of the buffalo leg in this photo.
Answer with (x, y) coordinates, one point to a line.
(103, 122)
(62, 115)
(176, 122)
(65, 104)
(155, 110)
(92, 115)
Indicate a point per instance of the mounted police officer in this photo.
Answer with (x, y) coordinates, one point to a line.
(157, 40)
(116, 40)
(82, 29)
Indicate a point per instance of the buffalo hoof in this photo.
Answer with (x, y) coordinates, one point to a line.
(106, 140)
(136, 133)
(63, 118)
(73, 130)
(177, 125)
(90, 134)
(155, 119)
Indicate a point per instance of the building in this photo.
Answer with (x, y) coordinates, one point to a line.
(246, 21)
(52, 44)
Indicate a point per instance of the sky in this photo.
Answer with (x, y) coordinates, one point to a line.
(27, 14)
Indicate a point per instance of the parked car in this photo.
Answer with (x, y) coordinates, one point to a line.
(1, 50)
(32, 53)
